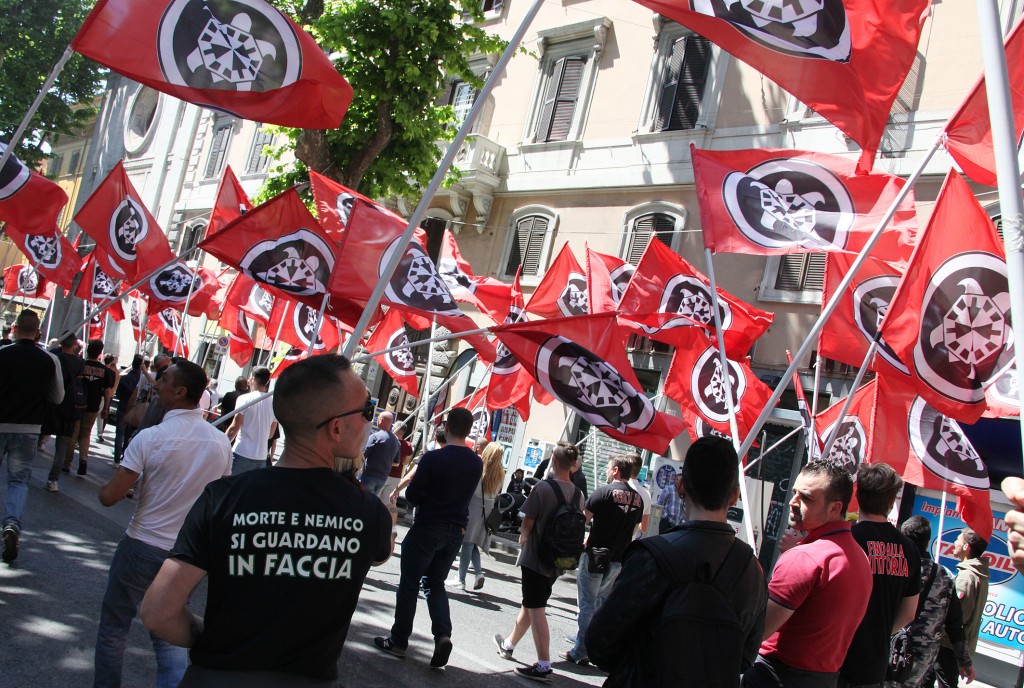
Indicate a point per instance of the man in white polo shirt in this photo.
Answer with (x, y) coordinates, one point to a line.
(252, 427)
(176, 458)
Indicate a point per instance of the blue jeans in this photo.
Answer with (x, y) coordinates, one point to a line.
(592, 590)
(241, 464)
(427, 554)
(470, 553)
(373, 485)
(132, 570)
(20, 451)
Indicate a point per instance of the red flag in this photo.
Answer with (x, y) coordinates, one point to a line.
(98, 286)
(969, 133)
(1002, 398)
(334, 204)
(171, 286)
(607, 278)
(510, 383)
(475, 403)
(297, 324)
(165, 325)
(243, 57)
(231, 203)
(930, 450)
(845, 59)
(581, 362)
(400, 364)
(848, 333)
(562, 291)
(281, 246)
(852, 445)
(489, 295)
(251, 298)
(119, 223)
(24, 280)
(810, 436)
(294, 355)
(949, 321)
(371, 238)
(667, 296)
(28, 200)
(137, 309)
(50, 252)
(241, 331)
(770, 201)
(96, 326)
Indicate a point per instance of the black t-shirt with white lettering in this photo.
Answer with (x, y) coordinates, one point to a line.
(286, 550)
(617, 508)
(97, 379)
(896, 573)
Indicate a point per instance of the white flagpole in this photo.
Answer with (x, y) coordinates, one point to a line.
(1004, 144)
(319, 323)
(446, 162)
(772, 448)
(849, 397)
(49, 321)
(748, 524)
(447, 381)
(837, 296)
(280, 326)
(188, 297)
(54, 73)
(817, 381)
(942, 524)
(427, 374)
(204, 324)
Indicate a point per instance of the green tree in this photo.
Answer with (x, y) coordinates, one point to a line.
(34, 34)
(399, 56)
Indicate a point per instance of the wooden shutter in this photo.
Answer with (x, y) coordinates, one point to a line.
(683, 87)
(434, 228)
(257, 160)
(218, 149)
(527, 245)
(560, 98)
(646, 227)
(801, 272)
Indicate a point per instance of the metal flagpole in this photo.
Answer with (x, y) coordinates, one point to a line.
(772, 448)
(942, 524)
(452, 405)
(748, 526)
(849, 397)
(1004, 144)
(447, 381)
(205, 323)
(319, 323)
(54, 73)
(449, 157)
(837, 296)
(280, 326)
(427, 374)
(49, 321)
(188, 299)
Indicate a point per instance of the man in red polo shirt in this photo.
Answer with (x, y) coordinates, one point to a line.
(819, 590)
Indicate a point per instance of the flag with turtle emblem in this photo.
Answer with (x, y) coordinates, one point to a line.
(50, 252)
(28, 200)
(98, 285)
(510, 383)
(562, 292)
(241, 56)
(401, 363)
(24, 280)
(852, 444)
(166, 324)
(297, 324)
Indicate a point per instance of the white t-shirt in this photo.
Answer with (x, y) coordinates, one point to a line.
(255, 433)
(645, 495)
(176, 459)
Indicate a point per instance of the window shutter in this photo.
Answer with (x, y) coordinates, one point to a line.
(527, 245)
(218, 149)
(434, 228)
(670, 85)
(683, 89)
(560, 97)
(257, 160)
(801, 272)
(646, 227)
(814, 276)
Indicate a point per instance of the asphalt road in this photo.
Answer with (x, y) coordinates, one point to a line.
(50, 601)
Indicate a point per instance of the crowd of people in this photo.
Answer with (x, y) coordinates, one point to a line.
(309, 528)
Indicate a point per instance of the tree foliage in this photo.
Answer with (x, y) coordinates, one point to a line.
(399, 56)
(34, 34)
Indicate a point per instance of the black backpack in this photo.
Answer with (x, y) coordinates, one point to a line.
(561, 543)
(697, 624)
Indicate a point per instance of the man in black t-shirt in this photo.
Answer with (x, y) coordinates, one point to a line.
(67, 415)
(614, 511)
(286, 549)
(98, 381)
(896, 577)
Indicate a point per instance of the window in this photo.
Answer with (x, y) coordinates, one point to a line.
(73, 164)
(529, 245)
(568, 72)
(434, 227)
(56, 163)
(257, 159)
(219, 147)
(463, 96)
(141, 116)
(193, 235)
(653, 221)
(491, 8)
(795, 277)
(682, 88)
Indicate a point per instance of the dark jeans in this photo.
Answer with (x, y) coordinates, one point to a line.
(767, 672)
(947, 671)
(427, 554)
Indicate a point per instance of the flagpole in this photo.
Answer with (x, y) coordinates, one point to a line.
(54, 73)
(726, 375)
(49, 320)
(202, 338)
(817, 381)
(772, 448)
(838, 295)
(942, 521)
(319, 323)
(280, 326)
(427, 374)
(447, 381)
(482, 402)
(446, 162)
(855, 385)
(188, 299)
(1004, 144)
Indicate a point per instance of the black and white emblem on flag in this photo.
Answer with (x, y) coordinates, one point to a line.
(965, 341)
(850, 446)
(170, 319)
(481, 421)
(233, 45)
(871, 299)
(304, 321)
(13, 176)
(790, 202)
(416, 282)
(453, 276)
(299, 263)
(690, 299)
(504, 362)
(261, 301)
(1006, 390)
(801, 28)
(708, 385)
(28, 280)
(103, 285)
(128, 227)
(135, 313)
(573, 300)
(701, 428)
(343, 204)
(43, 250)
(619, 278)
(173, 282)
(401, 362)
(592, 387)
(940, 445)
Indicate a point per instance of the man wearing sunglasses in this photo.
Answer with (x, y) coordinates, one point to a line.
(444, 482)
(286, 548)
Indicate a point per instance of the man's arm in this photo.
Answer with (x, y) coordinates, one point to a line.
(403, 483)
(56, 392)
(906, 612)
(525, 529)
(774, 616)
(393, 512)
(236, 426)
(117, 487)
(165, 609)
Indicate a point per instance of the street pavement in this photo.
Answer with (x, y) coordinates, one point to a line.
(50, 603)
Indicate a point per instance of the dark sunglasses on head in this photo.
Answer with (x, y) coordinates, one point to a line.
(366, 409)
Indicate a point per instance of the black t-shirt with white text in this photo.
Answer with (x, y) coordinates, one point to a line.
(286, 550)
(617, 508)
(97, 379)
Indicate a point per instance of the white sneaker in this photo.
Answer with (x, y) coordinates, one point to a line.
(479, 582)
(455, 583)
(51, 486)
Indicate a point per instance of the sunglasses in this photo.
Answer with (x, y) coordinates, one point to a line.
(366, 410)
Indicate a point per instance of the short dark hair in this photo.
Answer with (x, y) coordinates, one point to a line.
(190, 376)
(27, 322)
(839, 486)
(976, 544)
(638, 464)
(305, 389)
(440, 436)
(94, 348)
(918, 530)
(710, 473)
(241, 383)
(137, 361)
(564, 455)
(261, 376)
(459, 422)
(623, 462)
(877, 487)
(68, 341)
